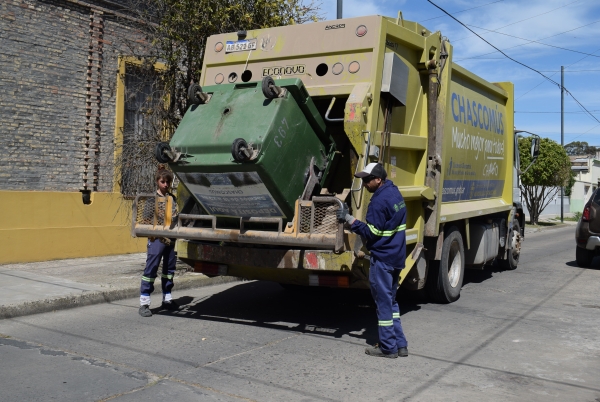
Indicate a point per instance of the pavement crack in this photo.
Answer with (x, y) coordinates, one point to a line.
(46, 350)
(133, 372)
(250, 350)
(490, 339)
(196, 385)
(132, 391)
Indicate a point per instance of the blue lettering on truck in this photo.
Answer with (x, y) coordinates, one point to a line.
(476, 114)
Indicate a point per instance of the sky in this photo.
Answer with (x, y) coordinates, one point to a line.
(542, 34)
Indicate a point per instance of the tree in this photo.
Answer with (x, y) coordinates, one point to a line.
(176, 33)
(570, 184)
(541, 183)
(580, 148)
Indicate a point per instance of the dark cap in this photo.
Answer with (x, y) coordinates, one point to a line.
(372, 169)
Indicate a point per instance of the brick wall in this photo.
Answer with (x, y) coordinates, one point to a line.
(58, 70)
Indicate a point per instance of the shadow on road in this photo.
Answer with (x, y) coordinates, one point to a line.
(480, 275)
(594, 265)
(323, 311)
(326, 311)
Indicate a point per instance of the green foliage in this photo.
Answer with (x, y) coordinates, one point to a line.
(552, 168)
(570, 184)
(580, 148)
(544, 178)
(173, 34)
(177, 31)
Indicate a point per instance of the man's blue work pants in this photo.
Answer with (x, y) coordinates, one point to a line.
(383, 279)
(158, 251)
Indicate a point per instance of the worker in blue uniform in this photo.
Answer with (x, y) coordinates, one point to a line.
(384, 236)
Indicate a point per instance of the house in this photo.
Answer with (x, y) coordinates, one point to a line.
(65, 67)
(586, 180)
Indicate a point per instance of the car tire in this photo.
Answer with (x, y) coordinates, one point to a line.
(445, 278)
(512, 255)
(584, 257)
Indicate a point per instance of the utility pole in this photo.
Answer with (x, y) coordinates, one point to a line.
(562, 135)
(339, 9)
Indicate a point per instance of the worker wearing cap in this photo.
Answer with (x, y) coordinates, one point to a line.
(384, 232)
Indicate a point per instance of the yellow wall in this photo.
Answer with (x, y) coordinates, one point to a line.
(40, 226)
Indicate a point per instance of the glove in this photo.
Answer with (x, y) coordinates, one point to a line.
(344, 216)
(342, 212)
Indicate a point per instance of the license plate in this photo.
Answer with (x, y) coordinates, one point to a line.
(240, 45)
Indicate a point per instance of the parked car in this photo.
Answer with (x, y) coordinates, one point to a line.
(587, 233)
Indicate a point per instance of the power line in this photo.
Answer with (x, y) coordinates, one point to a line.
(570, 71)
(483, 39)
(529, 18)
(462, 11)
(516, 61)
(518, 111)
(534, 41)
(535, 16)
(530, 41)
(579, 103)
(583, 58)
(585, 132)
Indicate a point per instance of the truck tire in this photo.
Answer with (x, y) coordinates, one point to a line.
(584, 257)
(446, 276)
(512, 255)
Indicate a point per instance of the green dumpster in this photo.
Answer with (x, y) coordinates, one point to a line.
(246, 155)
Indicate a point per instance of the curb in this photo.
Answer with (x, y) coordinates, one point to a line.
(87, 299)
(544, 228)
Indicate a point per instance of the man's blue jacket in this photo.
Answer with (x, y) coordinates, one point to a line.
(385, 229)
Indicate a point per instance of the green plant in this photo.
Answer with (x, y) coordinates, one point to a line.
(543, 180)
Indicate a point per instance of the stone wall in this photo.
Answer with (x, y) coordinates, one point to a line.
(58, 78)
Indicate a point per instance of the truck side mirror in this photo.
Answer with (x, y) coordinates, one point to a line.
(535, 148)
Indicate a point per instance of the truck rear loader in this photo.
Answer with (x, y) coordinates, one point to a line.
(282, 120)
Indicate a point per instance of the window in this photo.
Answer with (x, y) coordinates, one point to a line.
(139, 127)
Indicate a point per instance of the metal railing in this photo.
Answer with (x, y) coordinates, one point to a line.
(317, 225)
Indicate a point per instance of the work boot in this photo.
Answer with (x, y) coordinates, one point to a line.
(402, 352)
(377, 352)
(145, 311)
(170, 305)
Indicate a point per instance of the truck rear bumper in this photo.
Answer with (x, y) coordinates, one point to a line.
(316, 225)
(300, 267)
(322, 241)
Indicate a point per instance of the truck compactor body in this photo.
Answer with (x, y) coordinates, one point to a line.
(282, 119)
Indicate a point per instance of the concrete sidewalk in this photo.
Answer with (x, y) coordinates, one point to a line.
(54, 285)
(548, 222)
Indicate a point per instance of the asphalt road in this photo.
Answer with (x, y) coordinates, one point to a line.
(532, 334)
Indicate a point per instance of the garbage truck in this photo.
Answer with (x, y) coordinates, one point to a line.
(283, 118)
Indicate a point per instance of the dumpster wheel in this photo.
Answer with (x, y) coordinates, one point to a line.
(269, 89)
(161, 157)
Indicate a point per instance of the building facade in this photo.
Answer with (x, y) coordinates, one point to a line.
(587, 169)
(64, 67)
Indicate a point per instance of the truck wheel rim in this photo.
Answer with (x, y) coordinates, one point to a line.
(516, 245)
(455, 265)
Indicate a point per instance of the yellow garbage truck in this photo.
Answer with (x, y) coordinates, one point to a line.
(282, 120)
